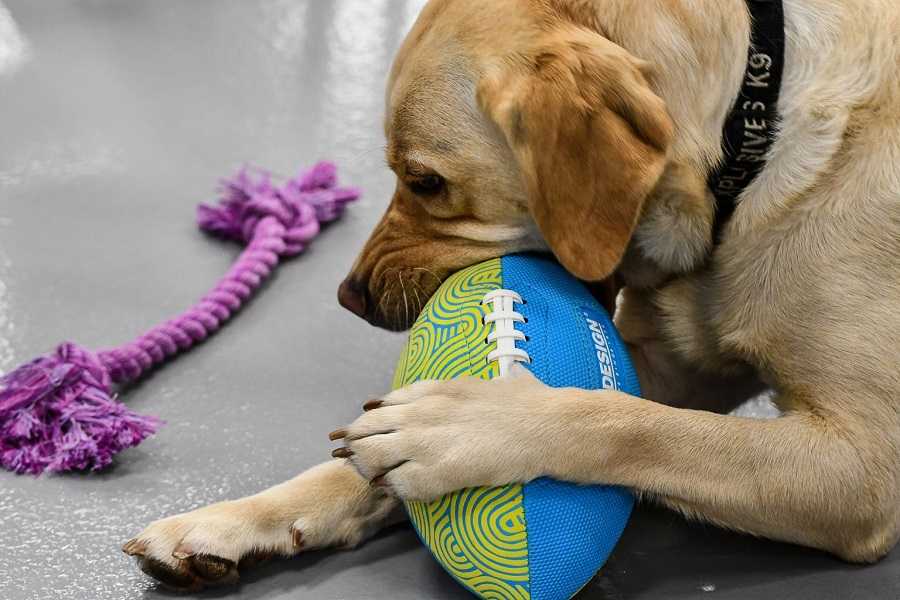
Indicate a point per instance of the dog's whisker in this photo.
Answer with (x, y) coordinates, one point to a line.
(419, 305)
(385, 296)
(368, 151)
(393, 289)
(388, 289)
(423, 299)
(405, 300)
(437, 279)
(383, 277)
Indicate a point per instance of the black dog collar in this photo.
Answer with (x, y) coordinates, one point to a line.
(749, 130)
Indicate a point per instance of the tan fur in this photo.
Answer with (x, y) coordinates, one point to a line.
(589, 127)
(328, 505)
(590, 139)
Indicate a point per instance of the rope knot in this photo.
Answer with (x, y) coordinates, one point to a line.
(60, 413)
(300, 206)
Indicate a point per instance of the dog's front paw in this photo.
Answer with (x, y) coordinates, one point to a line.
(435, 437)
(327, 505)
(208, 547)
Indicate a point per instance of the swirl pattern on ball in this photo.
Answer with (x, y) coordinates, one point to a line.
(478, 535)
(447, 341)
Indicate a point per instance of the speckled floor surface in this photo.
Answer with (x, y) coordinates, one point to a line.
(116, 118)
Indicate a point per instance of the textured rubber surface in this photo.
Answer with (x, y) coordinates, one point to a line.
(558, 308)
(543, 540)
(478, 535)
(572, 529)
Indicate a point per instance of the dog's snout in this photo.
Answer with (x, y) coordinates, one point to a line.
(352, 296)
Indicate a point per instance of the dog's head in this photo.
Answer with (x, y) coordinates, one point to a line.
(509, 128)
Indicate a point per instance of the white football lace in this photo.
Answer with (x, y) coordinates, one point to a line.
(502, 313)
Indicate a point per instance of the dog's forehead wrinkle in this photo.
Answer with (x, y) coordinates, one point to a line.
(437, 127)
(441, 92)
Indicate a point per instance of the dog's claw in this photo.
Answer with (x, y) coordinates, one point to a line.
(372, 405)
(337, 435)
(297, 538)
(342, 453)
(183, 552)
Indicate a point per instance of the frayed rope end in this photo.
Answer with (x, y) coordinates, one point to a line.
(58, 413)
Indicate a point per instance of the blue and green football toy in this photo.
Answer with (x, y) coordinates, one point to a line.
(543, 540)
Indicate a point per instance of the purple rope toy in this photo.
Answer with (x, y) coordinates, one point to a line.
(59, 412)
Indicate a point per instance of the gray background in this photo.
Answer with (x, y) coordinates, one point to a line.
(116, 118)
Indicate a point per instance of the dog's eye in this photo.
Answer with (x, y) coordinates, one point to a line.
(427, 185)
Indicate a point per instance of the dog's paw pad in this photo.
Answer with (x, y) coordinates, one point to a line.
(214, 569)
(178, 578)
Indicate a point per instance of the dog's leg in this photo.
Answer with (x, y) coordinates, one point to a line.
(328, 505)
(807, 478)
(813, 476)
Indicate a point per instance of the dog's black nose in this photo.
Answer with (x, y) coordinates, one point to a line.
(352, 296)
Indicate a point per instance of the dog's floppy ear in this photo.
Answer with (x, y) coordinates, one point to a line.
(590, 139)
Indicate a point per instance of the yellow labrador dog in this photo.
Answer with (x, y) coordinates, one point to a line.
(590, 128)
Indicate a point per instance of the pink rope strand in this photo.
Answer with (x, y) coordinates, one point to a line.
(59, 412)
